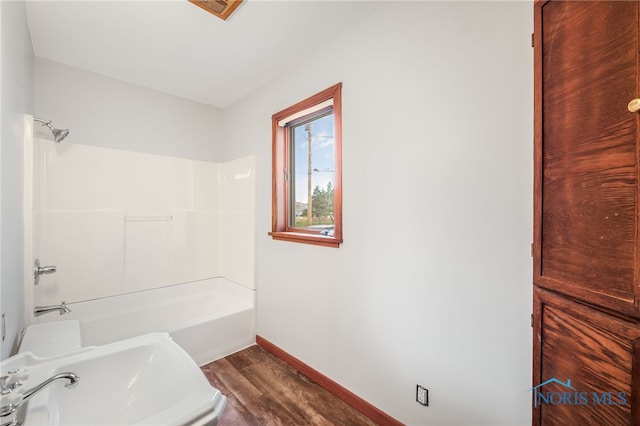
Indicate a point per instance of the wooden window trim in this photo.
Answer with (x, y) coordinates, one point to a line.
(280, 229)
(221, 8)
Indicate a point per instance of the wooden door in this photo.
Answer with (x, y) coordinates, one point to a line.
(586, 151)
(589, 361)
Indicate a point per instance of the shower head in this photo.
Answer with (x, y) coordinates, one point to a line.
(58, 135)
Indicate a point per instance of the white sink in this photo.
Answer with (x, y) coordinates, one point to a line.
(145, 380)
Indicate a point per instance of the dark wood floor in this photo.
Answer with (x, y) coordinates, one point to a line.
(262, 390)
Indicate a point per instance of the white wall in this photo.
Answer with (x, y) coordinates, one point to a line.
(17, 100)
(433, 282)
(110, 113)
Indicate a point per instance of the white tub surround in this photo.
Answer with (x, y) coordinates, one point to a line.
(116, 222)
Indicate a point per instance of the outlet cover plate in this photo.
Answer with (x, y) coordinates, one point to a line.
(422, 395)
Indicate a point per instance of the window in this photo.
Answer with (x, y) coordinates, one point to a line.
(307, 170)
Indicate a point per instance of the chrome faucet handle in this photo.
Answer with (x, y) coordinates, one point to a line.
(10, 401)
(12, 381)
(41, 270)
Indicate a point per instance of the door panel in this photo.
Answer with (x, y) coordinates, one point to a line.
(595, 354)
(586, 161)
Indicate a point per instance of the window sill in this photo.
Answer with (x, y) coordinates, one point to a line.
(301, 237)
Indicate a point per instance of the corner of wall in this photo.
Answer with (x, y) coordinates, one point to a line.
(17, 85)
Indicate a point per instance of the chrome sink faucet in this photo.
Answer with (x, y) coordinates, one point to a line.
(14, 399)
(41, 310)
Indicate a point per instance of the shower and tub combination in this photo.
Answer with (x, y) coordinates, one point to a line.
(135, 243)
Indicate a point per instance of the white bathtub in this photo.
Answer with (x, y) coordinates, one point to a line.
(209, 319)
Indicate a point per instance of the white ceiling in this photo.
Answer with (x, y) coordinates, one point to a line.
(177, 48)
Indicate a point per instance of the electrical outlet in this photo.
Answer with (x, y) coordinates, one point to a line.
(422, 395)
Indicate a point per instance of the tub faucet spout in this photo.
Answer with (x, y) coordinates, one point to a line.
(41, 310)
